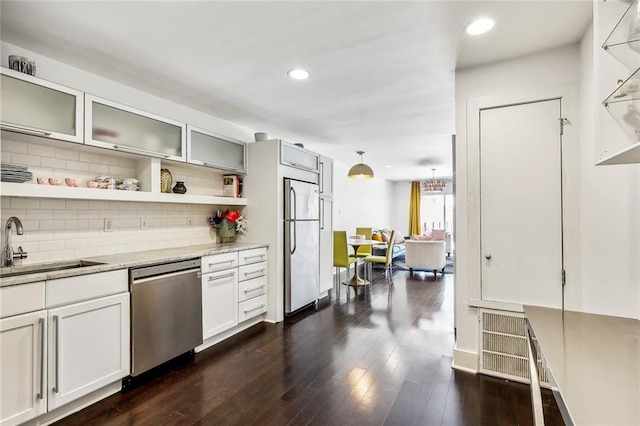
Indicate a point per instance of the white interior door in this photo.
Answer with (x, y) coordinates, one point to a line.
(521, 203)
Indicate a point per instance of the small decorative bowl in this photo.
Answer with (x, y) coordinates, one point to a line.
(42, 181)
(54, 181)
(92, 184)
(72, 181)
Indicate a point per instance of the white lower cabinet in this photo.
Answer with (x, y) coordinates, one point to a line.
(252, 286)
(219, 302)
(23, 354)
(74, 341)
(88, 347)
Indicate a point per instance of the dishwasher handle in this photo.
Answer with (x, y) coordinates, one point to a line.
(163, 268)
(173, 274)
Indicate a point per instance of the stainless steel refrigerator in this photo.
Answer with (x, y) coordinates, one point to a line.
(301, 245)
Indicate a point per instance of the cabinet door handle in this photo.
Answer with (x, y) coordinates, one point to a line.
(140, 151)
(259, 271)
(261, 256)
(218, 166)
(253, 289)
(322, 177)
(254, 309)
(221, 277)
(40, 394)
(56, 326)
(25, 130)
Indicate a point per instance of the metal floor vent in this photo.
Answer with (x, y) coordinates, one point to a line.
(504, 347)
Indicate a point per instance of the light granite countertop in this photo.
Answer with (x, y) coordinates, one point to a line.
(594, 361)
(119, 261)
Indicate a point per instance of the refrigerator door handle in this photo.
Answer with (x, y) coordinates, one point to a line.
(321, 212)
(293, 201)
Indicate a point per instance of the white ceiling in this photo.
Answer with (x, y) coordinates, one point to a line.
(382, 73)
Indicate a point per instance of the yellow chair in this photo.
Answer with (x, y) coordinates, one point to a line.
(364, 251)
(385, 260)
(341, 258)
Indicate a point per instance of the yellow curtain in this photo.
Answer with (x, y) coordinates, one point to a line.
(414, 209)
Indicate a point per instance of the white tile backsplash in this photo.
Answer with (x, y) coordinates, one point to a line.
(69, 229)
(56, 229)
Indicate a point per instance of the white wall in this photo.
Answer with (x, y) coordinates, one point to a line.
(400, 207)
(360, 202)
(559, 68)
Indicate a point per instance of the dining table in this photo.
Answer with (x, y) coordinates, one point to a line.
(356, 243)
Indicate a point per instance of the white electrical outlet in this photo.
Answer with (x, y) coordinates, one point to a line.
(144, 224)
(108, 225)
(189, 222)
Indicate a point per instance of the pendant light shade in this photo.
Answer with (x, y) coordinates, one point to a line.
(360, 170)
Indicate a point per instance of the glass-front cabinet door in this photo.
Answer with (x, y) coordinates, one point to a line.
(209, 149)
(37, 107)
(294, 156)
(115, 126)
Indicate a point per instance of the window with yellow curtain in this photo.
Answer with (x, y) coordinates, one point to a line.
(414, 209)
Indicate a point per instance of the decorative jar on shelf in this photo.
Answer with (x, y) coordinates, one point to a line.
(179, 188)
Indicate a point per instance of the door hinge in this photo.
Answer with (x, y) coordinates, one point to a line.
(564, 277)
(562, 121)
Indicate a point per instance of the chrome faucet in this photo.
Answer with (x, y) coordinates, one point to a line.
(8, 250)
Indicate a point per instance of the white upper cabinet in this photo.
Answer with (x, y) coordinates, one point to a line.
(295, 156)
(37, 107)
(326, 176)
(209, 149)
(115, 126)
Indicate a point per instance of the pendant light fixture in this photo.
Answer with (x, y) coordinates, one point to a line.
(360, 170)
(433, 184)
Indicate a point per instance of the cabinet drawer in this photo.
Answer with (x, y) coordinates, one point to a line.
(219, 262)
(248, 257)
(252, 288)
(251, 308)
(20, 299)
(84, 287)
(255, 270)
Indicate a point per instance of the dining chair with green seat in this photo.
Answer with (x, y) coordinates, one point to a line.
(386, 260)
(341, 257)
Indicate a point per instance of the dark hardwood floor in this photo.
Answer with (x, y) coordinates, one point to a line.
(383, 357)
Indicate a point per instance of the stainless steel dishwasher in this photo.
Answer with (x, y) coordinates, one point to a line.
(166, 312)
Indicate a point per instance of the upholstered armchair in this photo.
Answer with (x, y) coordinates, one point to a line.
(437, 235)
(429, 255)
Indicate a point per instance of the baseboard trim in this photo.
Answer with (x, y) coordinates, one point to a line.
(465, 361)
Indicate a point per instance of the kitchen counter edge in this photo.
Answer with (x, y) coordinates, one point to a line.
(128, 260)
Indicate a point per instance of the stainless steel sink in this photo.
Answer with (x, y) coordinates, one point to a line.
(50, 267)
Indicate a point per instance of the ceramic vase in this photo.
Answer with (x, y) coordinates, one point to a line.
(226, 231)
(179, 188)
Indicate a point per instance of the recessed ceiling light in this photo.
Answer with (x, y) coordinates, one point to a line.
(298, 74)
(388, 167)
(479, 26)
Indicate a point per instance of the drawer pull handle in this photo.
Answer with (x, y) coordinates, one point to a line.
(254, 309)
(259, 271)
(221, 277)
(261, 256)
(254, 289)
(25, 130)
(222, 263)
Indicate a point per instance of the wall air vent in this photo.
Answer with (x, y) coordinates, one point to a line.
(504, 347)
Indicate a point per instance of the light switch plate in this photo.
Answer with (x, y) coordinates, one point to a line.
(108, 224)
